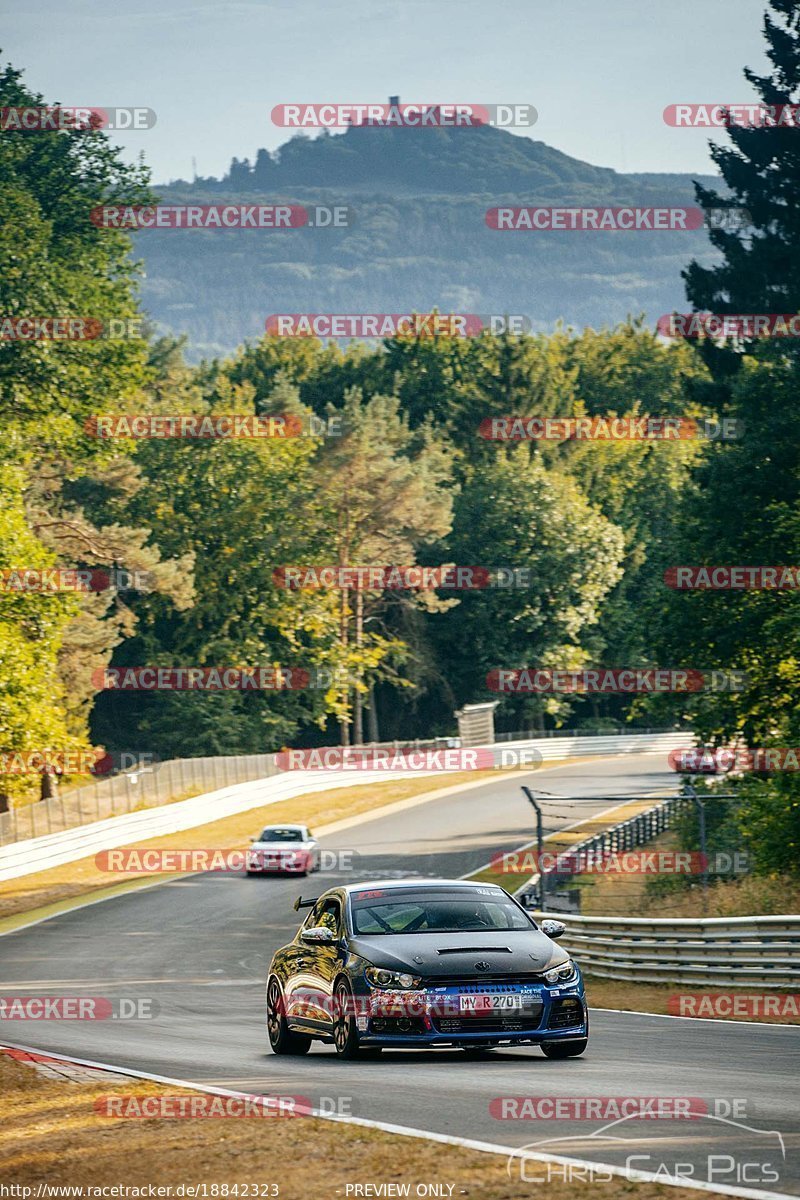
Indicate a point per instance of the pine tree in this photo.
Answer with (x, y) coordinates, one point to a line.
(760, 272)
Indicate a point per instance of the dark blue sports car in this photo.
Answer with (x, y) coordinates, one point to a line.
(424, 963)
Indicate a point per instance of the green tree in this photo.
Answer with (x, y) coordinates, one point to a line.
(744, 505)
(760, 267)
(385, 490)
(54, 263)
(518, 514)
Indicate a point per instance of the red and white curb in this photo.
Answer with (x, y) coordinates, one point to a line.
(61, 1068)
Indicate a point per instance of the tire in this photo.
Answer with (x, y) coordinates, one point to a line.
(565, 1049)
(281, 1038)
(345, 1034)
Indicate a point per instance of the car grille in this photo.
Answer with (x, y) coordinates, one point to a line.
(497, 983)
(517, 1021)
(564, 1013)
(499, 1021)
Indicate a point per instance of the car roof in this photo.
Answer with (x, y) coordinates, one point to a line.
(386, 885)
(283, 825)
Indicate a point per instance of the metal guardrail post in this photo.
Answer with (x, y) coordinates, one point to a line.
(700, 804)
(539, 843)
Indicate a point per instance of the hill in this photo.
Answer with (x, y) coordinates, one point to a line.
(419, 238)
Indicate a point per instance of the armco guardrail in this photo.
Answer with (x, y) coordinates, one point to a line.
(578, 745)
(761, 952)
(35, 854)
(523, 735)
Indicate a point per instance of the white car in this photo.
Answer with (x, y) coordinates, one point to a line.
(290, 848)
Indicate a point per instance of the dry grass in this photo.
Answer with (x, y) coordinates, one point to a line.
(51, 1133)
(654, 997)
(633, 895)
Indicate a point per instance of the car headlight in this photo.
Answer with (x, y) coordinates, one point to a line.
(561, 973)
(381, 978)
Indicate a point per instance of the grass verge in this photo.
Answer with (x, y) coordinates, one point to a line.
(654, 998)
(52, 1134)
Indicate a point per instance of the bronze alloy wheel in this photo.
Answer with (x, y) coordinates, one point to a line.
(281, 1038)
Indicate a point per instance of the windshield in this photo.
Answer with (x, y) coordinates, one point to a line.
(378, 912)
(281, 835)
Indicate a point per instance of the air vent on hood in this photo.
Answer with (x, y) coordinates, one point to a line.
(476, 950)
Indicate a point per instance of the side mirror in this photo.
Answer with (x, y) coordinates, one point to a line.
(553, 929)
(318, 935)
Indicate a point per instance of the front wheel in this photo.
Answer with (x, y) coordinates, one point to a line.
(345, 1034)
(281, 1038)
(565, 1049)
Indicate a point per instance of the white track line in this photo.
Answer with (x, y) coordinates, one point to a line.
(635, 1012)
(507, 1152)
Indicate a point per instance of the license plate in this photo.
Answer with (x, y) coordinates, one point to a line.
(488, 1003)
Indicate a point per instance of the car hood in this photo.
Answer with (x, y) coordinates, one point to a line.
(438, 955)
(283, 847)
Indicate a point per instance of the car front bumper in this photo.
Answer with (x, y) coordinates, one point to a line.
(268, 867)
(434, 1018)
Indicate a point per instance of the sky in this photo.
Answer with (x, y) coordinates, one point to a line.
(599, 72)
